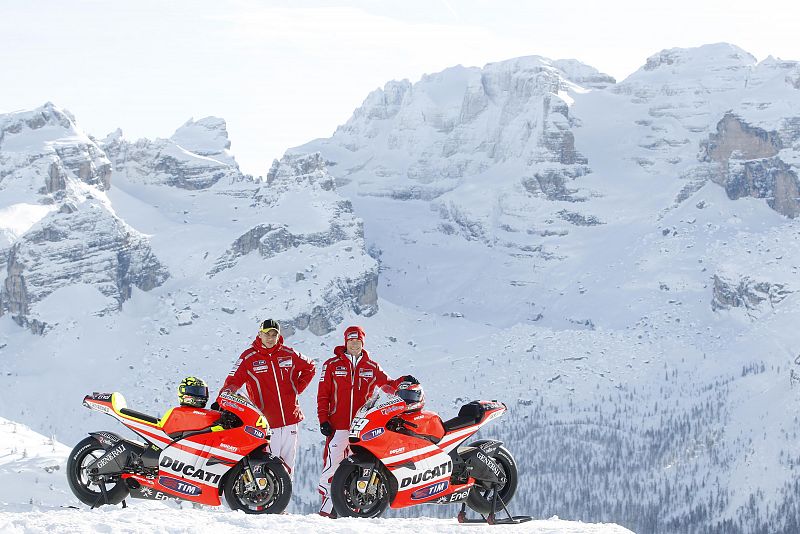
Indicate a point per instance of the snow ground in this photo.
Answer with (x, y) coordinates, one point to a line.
(135, 519)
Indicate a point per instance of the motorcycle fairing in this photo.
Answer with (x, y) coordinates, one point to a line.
(422, 471)
(189, 468)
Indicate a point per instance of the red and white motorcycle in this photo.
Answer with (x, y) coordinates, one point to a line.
(195, 457)
(390, 466)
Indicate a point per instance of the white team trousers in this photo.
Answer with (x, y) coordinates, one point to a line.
(283, 443)
(337, 448)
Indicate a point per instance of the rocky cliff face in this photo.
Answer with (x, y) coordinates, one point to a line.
(739, 116)
(41, 149)
(751, 295)
(197, 156)
(748, 165)
(65, 230)
(303, 184)
(486, 149)
(448, 128)
(59, 227)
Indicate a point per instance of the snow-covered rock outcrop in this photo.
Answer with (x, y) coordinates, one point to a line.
(308, 217)
(197, 156)
(58, 226)
(740, 116)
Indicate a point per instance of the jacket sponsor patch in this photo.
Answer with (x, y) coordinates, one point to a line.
(285, 362)
(260, 362)
(261, 368)
(366, 373)
(340, 370)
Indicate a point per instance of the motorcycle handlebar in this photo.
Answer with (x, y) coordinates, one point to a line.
(402, 422)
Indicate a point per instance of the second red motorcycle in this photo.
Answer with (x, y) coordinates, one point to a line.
(391, 466)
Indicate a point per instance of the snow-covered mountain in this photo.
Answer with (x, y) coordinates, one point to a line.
(618, 262)
(638, 248)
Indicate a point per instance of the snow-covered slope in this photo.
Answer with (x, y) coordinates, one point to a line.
(31, 468)
(618, 262)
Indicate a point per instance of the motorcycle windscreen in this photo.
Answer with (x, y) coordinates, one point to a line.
(381, 397)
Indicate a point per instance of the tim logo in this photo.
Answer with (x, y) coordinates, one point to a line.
(372, 434)
(254, 432)
(179, 485)
(429, 491)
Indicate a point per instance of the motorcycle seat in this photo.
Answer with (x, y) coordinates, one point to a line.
(139, 415)
(119, 405)
(468, 415)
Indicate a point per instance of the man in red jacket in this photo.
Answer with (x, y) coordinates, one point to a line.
(274, 375)
(346, 381)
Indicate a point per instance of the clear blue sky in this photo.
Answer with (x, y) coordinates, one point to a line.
(284, 72)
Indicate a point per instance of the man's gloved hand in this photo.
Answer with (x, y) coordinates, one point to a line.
(215, 406)
(409, 378)
(326, 429)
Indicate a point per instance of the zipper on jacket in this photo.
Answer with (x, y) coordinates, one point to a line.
(278, 389)
(352, 387)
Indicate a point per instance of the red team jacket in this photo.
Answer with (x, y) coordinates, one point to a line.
(343, 389)
(273, 378)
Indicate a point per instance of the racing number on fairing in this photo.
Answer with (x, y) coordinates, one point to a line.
(262, 422)
(357, 426)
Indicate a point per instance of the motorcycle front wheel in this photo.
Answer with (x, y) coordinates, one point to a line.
(273, 490)
(87, 489)
(349, 502)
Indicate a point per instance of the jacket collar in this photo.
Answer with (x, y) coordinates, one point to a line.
(340, 352)
(264, 351)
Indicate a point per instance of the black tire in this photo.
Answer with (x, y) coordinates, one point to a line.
(84, 453)
(348, 502)
(480, 498)
(272, 499)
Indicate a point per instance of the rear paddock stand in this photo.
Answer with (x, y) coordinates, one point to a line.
(491, 518)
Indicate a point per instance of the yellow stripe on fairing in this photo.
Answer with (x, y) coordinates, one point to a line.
(164, 418)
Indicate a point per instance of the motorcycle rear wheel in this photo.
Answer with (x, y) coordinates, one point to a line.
(349, 502)
(273, 498)
(480, 498)
(87, 491)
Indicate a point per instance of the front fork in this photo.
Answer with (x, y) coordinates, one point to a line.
(247, 477)
(368, 482)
